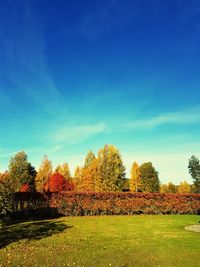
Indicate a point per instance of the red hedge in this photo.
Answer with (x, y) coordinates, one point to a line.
(77, 204)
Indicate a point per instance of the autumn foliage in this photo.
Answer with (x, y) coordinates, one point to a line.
(25, 188)
(113, 203)
(57, 183)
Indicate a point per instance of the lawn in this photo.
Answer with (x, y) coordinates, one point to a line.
(102, 241)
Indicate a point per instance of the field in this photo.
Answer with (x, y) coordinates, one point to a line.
(102, 241)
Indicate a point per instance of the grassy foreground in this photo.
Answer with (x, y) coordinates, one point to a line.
(102, 241)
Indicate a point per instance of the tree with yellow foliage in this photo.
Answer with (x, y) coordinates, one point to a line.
(110, 169)
(64, 171)
(90, 176)
(168, 188)
(78, 179)
(85, 178)
(43, 175)
(184, 188)
(135, 181)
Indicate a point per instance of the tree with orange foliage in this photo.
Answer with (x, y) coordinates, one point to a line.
(4, 176)
(85, 178)
(89, 174)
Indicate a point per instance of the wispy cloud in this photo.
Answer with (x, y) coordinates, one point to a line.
(76, 134)
(23, 58)
(190, 116)
(4, 154)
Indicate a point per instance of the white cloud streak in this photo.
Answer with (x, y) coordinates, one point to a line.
(24, 60)
(10, 154)
(183, 117)
(77, 134)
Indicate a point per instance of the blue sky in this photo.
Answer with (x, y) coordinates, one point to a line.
(75, 75)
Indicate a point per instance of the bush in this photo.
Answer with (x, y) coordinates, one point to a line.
(79, 204)
(6, 202)
(29, 204)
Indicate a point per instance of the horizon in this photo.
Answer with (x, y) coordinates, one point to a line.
(76, 76)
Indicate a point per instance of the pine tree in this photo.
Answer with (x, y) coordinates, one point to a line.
(149, 178)
(135, 181)
(43, 175)
(21, 172)
(194, 170)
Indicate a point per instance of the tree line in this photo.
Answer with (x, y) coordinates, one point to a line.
(104, 172)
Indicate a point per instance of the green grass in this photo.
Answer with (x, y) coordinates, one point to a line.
(102, 241)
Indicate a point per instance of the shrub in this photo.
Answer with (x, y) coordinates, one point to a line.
(106, 203)
(6, 201)
(78, 204)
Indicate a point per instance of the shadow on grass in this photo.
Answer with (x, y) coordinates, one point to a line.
(30, 231)
(34, 214)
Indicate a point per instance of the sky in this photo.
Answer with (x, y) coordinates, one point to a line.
(75, 75)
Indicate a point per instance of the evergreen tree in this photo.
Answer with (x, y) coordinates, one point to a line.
(135, 181)
(194, 170)
(149, 178)
(21, 172)
(43, 175)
